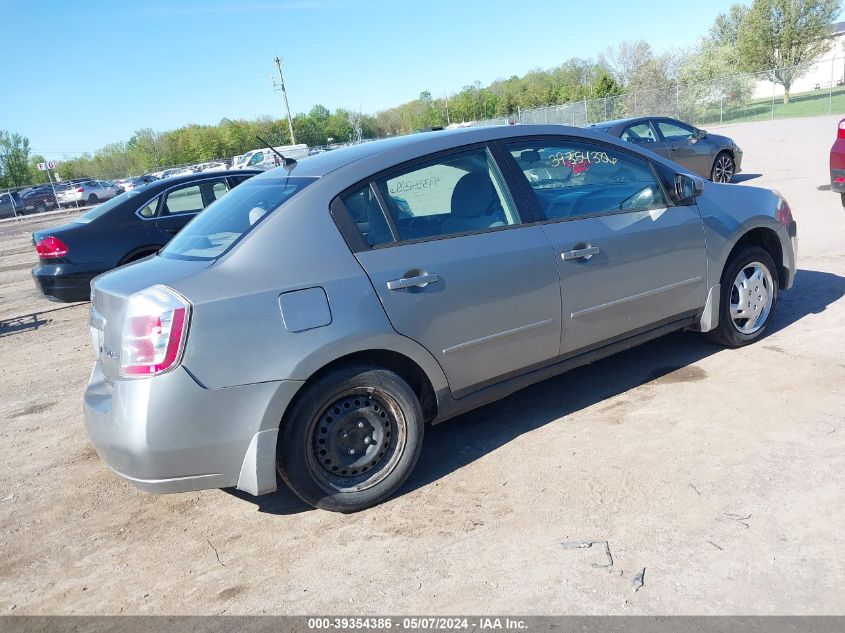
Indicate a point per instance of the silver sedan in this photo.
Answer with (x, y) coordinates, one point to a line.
(87, 193)
(314, 320)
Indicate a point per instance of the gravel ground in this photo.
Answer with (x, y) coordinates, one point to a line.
(718, 472)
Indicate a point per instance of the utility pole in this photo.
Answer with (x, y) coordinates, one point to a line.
(281, 86)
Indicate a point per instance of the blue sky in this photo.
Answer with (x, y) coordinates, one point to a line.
(79, 75)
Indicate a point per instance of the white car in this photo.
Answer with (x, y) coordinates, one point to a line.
(216, 166)
(264, 158)
(89, 192)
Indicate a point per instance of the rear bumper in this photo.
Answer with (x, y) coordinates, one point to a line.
(61, 282)
(169, 434)
(837, 180)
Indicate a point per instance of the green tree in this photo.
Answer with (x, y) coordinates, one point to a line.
(14, 159)
(784, 37)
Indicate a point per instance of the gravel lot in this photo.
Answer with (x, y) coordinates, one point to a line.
(719, 472)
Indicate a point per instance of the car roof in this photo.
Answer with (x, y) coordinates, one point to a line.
(166, 183)
(401, 148)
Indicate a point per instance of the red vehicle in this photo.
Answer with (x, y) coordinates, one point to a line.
(837, 162)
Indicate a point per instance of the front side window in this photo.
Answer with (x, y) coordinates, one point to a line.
(639, 133)
(223, 223)
(675, 131)
(572, 179)
(458, 193)
(256, 158)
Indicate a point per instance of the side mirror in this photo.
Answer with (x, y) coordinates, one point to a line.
(701, 134)
(688, 187)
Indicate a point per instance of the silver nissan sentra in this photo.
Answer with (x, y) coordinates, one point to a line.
(314, 320)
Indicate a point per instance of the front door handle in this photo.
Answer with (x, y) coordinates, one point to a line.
(580, 253)
(418, 281)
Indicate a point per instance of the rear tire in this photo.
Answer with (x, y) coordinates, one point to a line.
(747, 303)
(92, 199)
(842, 198)
(351, 439)
(41, 208)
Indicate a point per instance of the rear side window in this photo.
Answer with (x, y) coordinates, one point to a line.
(224, 222)
(459, 193)
(184, 200)
(572, 179)
(639, 134)
(364, 208)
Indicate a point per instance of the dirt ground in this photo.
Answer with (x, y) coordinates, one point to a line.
(718, 472)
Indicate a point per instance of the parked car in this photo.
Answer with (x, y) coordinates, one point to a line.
(131, 226)
(87, 193)
(837, 163)
(39, 199)
(263, 158)
(315, 319)
(10, 205)
(212, 167)
(712, 156)
(138, 181)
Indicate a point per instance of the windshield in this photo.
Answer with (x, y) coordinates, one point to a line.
(224, 222)
(100, 209)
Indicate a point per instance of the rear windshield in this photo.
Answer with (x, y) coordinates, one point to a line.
(101, 209)
(224, 222)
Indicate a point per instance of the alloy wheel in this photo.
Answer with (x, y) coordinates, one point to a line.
(723, 170)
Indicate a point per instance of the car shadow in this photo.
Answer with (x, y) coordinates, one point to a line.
(464, 439)
(33, 321)
(745, 177)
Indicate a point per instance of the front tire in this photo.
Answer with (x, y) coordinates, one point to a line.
(748, 299)
(351, 439)
(723, 169)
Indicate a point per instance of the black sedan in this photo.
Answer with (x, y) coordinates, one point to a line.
(127, 228)
(710, 155)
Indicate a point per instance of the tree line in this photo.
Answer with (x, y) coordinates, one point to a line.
(785, 35)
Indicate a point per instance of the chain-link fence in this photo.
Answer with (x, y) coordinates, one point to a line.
(84, 192)
(814, 89)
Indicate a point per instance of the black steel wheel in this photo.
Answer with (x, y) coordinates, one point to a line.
(350, 439)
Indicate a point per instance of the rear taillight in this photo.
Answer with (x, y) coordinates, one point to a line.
(784, 213)
(154, 332)
(80, 190)
(51, 247)
(841, 131)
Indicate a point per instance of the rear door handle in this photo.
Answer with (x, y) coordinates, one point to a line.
(580, 253)
(418, 281)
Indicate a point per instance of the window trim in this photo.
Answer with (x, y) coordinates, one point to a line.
(534, 202)
(349, 230)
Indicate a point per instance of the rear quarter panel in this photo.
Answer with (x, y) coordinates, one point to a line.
(238, 335)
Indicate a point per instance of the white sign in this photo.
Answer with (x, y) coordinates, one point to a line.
(45, 166)
(51, 164)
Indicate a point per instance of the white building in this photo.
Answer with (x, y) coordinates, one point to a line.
(827, 71)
